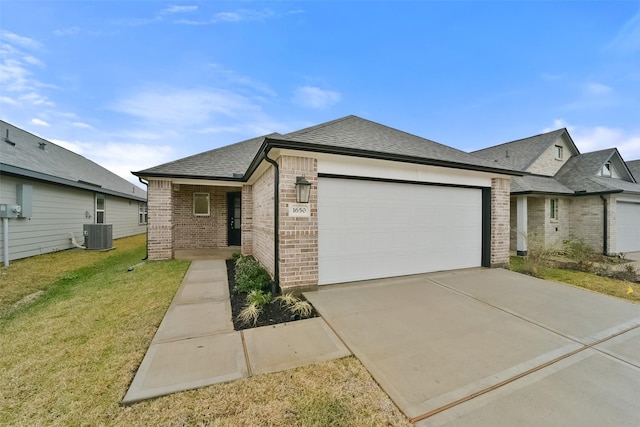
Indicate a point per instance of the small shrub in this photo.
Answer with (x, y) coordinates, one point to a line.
(251, 275)
(578, 251)
(259, 298)
(296, 305)
(250, 314)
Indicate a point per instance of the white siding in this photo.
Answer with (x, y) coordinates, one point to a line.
(57, 212)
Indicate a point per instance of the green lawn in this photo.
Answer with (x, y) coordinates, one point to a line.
(68, 356)
(603, 285)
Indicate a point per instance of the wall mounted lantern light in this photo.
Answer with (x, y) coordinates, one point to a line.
(303, 190)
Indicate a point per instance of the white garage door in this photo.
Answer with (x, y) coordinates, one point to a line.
(627, 227)
(371, 230)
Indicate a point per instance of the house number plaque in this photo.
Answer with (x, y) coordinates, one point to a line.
(299, 209)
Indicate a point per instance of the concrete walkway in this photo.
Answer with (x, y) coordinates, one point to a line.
(196, 346)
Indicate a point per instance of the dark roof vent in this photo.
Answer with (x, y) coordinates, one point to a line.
(42, 145)
(238, 175)
(7, 140)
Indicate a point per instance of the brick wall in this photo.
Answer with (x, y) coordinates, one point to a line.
(262, 225)
(247, 220)
(547, 164)
(160, 220)
(500, 226)
(298, 235)
(587, 218)
(200, 232)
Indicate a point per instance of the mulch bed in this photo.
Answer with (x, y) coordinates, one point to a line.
(272, 313)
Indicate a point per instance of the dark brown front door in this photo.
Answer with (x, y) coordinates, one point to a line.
(234, 215)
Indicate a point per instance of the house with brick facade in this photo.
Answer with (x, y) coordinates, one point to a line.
(382, 203)
(565, 194)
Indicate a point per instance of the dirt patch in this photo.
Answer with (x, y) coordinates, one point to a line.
(272, 313)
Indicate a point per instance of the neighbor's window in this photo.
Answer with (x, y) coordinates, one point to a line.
(100, 209)
(201, 204)
(558, 152)
(142, 213)
(553, 212)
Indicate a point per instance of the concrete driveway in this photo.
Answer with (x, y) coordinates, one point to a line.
(489, 347)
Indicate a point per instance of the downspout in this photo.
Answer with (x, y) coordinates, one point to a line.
(605, 234)
(146, 253)
(5, 239)
(275, 286)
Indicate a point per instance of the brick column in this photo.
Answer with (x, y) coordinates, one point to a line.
(247, 220)
(298, 235)
(500, 211)
(160, 227)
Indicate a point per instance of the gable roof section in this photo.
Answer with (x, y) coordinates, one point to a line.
(634, 168)
(535, 184)
(355, 135)
(21, 155)
(580, 173)
(522, 153)
(351, 136)
(219, 163)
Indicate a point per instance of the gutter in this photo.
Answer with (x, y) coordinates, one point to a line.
(275, 286)
(146, 253)
(605, 220)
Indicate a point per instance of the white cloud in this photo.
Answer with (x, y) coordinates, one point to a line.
(596, 138)
(36, 99)
(184, 107)
(594, 88)
(121, 158)
(314, 97)
(70, 31)
(81, 125)
(180, 9)
(243, 15)
(628, 38)
(39, 122)
(7, 100)
(14, 77)
(25, 42)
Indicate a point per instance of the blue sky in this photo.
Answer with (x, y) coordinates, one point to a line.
(134, 84)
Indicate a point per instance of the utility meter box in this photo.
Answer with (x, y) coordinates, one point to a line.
(98, 236)
(24, 197)
(10, 211)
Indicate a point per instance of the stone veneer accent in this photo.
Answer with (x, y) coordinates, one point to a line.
(500, 227)
(160, 237)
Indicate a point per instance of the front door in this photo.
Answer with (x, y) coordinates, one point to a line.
(234, 215)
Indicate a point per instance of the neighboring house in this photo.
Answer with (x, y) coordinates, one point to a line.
(383, 203)
(591, 196)
(634, 167)
(61, 192)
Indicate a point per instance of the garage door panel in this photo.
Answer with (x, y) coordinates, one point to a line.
(627, 227)
(397, 229)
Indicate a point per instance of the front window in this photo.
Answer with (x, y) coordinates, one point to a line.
(142, 213)
(553, 212)
(201, 204)
(100, 209)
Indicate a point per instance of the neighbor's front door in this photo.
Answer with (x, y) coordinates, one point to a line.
(234, 214)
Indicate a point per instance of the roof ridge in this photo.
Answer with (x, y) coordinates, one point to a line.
(321, 125)
(520, 139)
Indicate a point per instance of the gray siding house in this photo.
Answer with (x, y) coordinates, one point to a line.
(62, 192)
(565, 194)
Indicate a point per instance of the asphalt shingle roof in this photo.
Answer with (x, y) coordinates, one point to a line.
(348, 134)
(634, 167)
(221, 162)
(580, 173)
(355, 133)
(520, 154)
(38, 158)
(538, 184)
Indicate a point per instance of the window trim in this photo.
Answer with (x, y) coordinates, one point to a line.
(208, 198)
(559, 152)
(103, 210)
(143, 213)
(554, 209)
